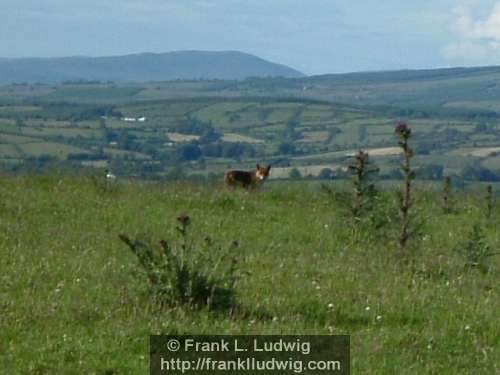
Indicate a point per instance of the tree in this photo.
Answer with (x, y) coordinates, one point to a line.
(431, 172)
(325, 174)
(295, 174)
(190, 151)
(286, 148)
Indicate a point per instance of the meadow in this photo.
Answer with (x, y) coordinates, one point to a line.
(74, 300)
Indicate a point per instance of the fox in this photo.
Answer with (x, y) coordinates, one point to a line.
(247, 180)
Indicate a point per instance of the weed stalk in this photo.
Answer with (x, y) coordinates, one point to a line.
(405, 202)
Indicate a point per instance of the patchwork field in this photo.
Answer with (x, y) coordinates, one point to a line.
(128, 129)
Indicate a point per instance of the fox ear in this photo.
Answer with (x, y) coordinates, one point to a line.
(269, 167)
(258, 166)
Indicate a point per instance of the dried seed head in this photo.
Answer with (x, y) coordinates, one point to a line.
(184, 219)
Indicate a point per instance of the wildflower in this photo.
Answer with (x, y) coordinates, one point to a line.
(379, 317)
(402, 129)
(109, 175)
(330, 306)
(467, 327)
(367, 308)
(361, 156)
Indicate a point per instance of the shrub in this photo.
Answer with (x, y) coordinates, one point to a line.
(326, 174)
(364, 190)
(183, 273)
(295, 174)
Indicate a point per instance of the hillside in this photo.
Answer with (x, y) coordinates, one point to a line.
(450, 89)
(141, 67)
(204, 137)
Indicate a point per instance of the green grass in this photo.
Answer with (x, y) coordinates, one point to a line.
(45, 131)
(73, 299)
(9, 151)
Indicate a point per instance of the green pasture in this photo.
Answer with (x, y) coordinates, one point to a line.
(75, 301)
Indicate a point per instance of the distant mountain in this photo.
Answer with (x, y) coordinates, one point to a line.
(142, 67)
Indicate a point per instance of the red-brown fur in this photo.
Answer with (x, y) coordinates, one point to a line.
(248, 180)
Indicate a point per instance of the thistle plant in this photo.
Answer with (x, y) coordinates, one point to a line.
(476, 249)
(364, 191)
(403, 131)
(185, 273)
(489, 201)
(447, 195)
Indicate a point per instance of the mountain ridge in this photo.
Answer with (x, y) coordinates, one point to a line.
(142, 67)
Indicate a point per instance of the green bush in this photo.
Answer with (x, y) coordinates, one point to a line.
(476, 249)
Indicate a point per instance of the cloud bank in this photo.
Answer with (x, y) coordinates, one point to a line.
(478, 39)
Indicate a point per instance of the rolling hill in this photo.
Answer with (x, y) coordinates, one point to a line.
(475, 88)
(142, 68)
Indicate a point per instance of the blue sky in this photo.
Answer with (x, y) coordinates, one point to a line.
(314, 36)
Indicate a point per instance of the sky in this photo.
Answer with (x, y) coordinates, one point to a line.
(313, 36)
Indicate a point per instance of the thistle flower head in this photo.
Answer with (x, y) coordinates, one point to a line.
(361, 156)
(402, 129)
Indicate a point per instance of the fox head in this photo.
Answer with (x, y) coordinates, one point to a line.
(262, 172)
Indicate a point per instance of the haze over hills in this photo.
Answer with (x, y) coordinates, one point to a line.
(142, 67)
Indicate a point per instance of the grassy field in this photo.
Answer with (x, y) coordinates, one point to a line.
(73, 299)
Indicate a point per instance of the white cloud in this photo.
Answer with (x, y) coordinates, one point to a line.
(478, 40)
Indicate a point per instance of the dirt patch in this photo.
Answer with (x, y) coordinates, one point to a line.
(179, 137)
(383, 151)
(234, 137)
(482, 152)
(314, 137)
